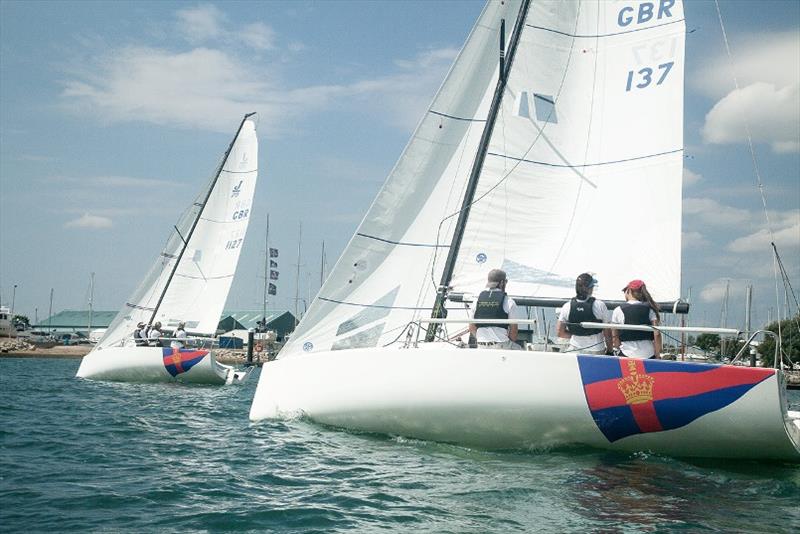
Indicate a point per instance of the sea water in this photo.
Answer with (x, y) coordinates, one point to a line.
(78, 455)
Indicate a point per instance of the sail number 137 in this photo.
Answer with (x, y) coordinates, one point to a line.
(643, 77)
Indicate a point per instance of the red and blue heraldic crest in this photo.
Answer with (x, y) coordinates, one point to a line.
(179, 361)
(629, 396)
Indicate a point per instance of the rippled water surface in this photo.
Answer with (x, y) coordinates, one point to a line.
(93, 456)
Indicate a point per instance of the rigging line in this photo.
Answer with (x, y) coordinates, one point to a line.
(530, 147)
(759, 182)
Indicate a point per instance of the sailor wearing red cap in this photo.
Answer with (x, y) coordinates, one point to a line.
(639, 308)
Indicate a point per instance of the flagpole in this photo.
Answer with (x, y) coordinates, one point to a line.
(266, 270)
(297, 279)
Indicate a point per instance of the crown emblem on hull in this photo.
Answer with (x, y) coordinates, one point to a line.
(636, 388)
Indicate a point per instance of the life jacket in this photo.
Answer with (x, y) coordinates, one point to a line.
(636, 313)
(490, 306)
(582, 312)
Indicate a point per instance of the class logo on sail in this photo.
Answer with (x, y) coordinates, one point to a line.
(629, 396)
(178, 361)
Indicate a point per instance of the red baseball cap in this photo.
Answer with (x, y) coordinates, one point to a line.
(634, 284)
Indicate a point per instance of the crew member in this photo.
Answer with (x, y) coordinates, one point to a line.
(139, 335)
(494, 303)
(179, 336)
(639, 308)
(584, 308)
(154, 336)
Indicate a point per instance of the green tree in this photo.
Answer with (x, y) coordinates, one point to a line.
(708, 342)
(21, 319)
(790, 339)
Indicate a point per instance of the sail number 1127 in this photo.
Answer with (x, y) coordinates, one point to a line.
(643, 77)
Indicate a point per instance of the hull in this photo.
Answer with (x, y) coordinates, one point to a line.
(499, 399)
(155, 364)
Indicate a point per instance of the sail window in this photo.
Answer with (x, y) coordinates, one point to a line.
(523, 108)
(545, 108)
(379, 310)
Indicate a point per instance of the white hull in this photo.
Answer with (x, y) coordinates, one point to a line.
(151, 364)
(500, 399)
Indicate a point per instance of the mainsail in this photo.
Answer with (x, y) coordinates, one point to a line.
(582, 173)
(192, 276)
(584, 170)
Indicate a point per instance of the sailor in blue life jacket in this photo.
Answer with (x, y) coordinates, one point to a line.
(494, 303)
(639, 308)
(584, 308)
(140, 335)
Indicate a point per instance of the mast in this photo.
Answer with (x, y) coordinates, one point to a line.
(322, 267)
(197, 219)
(506, 62)
(91, 299)
(50, 315)
(297, 279)
(266, 271)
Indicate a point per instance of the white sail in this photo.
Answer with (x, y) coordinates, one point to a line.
(389, 271)
(206, 243)
(583, 172)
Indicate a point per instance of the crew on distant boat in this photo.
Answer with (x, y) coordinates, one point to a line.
(140, 335)
(179, 336)
(154, 336)
(639, 308)
(494, 303)
(584, 308)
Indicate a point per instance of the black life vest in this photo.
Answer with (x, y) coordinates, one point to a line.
(490, 306)
(636, 313)
(581, 312)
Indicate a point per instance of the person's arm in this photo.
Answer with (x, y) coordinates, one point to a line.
(605, 316)
(512, 331)
(616, 318)
(561, 330)
(609, 340)
(657, 340)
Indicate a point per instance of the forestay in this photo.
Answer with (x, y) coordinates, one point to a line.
(197, 290)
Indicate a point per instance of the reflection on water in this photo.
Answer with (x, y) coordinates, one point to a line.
(80, 455)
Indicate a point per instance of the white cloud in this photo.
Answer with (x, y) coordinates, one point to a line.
(787, 237)
(200, 23)
(693, 240)
(772, 57)
(715, 291)
(89, 221)
(772, 115)
(258, 35)
(712, 213)
(210, 89)
(690, 177)
(206, 23)
(767, 66)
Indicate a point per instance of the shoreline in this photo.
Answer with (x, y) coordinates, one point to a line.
(76, 352)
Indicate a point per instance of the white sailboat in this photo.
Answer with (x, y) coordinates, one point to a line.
(528, 164)
(188, 283)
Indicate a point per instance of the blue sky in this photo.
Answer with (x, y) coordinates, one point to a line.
(112, 116)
